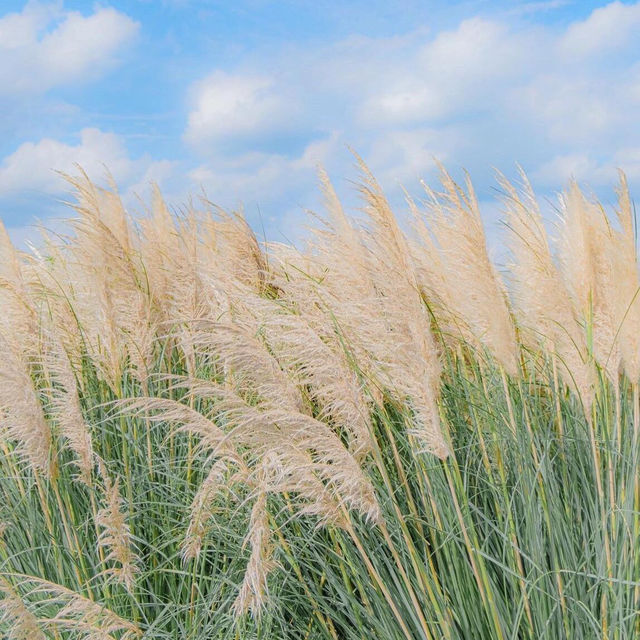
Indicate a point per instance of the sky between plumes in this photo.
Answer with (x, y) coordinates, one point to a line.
(243, 99)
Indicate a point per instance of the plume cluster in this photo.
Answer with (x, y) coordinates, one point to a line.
(279, 363)
(37, 609)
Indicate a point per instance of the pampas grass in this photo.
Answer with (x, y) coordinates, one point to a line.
(377, 435)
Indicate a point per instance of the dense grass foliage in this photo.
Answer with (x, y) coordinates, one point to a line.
(203, 437)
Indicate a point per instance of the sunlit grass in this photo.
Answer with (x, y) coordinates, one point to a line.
(204, 440)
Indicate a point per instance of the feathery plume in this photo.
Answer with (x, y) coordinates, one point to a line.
(173, 412)
(75, 613)
(21, 411)
(19, 315)
(627, 284)
(599, 266)
(359, 288)
(333, 386)
(246, 359)
(253, 592)
(15, 618)
(65, 404)
(463, 277)
(395, 325)
(105, 284)
(240, 251)
(543, 304)
(307, 449)
(201, 509)
(115, 534)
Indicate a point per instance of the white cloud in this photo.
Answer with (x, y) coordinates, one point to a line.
(34, 166)
(488, 91)
(585, 168)
(607, 28)
(491, 91)
(569, 109)
(446, 74)
(44, 46)
(578, 166)
(158, 172)
(250, 178)
(227, 106)
(318, 152)
(404, 157)
(265, 179)
(465, 50)
(628, 159)
(253, 177)
(18, 30)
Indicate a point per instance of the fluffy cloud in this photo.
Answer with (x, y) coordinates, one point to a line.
(607, 28)
(258, 176)
(231, 107)
(446, 75)
(492, 91)
(586, 167)
(487, 91)
(404, 157)
(563, 168)
(44, 46)
(34, 167)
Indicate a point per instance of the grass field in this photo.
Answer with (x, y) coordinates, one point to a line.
(379, 436)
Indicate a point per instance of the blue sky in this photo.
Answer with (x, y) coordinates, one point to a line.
(243, 99)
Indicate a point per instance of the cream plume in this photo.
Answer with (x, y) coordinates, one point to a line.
(19, 315)
(248, 362)
(75, 613)
(115, 534)
(202, 509)
(21, 412)
(384, 315)
(65, 404)
(460, 274)
(627, 284)
(15, 617)
(317, 363)
(543, 303)
(600, 268)
(253, 591)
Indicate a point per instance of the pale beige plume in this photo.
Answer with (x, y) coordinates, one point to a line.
(543, 304)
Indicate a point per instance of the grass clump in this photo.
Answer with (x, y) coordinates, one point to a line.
(379, 436)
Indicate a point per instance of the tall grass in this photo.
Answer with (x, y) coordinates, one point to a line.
(377, 437)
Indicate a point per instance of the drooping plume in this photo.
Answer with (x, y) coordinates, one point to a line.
(253, 590)
(72, 612)
(115, 534)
